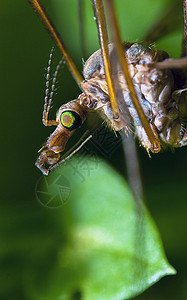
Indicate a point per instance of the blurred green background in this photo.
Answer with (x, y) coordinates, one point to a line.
(30, 233)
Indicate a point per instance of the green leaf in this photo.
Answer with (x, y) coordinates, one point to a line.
(113, 251)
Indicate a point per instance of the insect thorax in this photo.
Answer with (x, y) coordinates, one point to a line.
(155, 88)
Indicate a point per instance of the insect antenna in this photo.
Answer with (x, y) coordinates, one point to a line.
(49, 95)
(53, 85)
(47, 86)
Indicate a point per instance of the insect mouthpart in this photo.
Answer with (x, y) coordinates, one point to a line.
(69, 117)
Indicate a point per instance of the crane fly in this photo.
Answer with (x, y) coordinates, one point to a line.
(131, 84)
(132, 90)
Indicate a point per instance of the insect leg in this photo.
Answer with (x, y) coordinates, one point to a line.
(103, 39)
(152, 134)
(39, 9)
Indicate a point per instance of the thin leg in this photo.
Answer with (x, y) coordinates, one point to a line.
(103, 39)
(152, 135)
(39, 9)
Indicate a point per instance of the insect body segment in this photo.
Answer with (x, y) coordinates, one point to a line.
(156, 92)
(69, 117)
(164, 106)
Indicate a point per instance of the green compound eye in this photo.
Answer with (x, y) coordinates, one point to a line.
(70, 120)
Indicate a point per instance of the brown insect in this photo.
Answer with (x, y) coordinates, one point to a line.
(131, 85)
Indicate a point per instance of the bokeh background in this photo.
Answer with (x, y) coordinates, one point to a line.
(31, 233)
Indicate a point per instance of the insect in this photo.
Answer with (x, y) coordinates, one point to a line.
(146, 98)
(123, 115)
